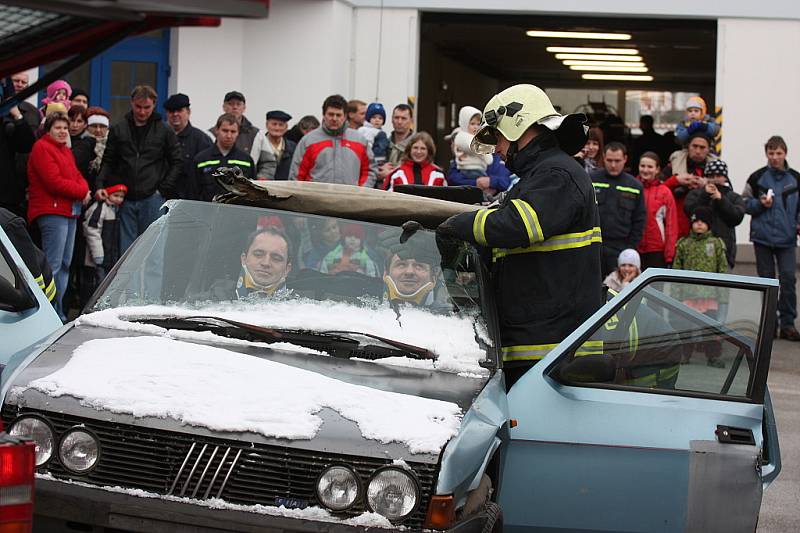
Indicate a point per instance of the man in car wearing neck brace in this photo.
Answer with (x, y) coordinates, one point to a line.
(412, 270)
(266, 261)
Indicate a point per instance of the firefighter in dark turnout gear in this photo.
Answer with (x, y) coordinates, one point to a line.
(544, 238)
(33, 257)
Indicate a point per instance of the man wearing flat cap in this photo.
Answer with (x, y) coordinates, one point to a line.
(251, 139)
(279, 153)
(192, 141)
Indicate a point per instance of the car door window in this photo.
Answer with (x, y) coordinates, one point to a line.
(6, 271)
(685, 337)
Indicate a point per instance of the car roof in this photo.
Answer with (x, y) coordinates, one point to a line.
(36, 32)
(343, 201)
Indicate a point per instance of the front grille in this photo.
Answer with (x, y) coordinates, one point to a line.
(195, 466)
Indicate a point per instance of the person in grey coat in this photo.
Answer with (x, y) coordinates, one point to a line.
(728, 207)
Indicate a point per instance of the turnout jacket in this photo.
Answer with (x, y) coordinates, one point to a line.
(620, 200)
(33, 257)
(192, 141)
(210, 159)
(344, 158)
(146, 160)
(545, 251)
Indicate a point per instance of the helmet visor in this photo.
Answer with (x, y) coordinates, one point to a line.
(485, 141)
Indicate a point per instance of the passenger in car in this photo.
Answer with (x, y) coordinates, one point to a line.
(266, 261)
(412, 272)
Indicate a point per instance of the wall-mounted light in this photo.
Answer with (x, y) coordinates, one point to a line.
(587, 50)
(570, 62)
(608, 69)
(579, 35)
(617, 77)
(599, 57)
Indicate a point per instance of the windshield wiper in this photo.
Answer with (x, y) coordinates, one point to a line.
(336, 343)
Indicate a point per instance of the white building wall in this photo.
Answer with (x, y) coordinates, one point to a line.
(758, 80)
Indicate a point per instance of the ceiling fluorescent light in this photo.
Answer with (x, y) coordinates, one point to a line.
(609, 69)
(579, 35)
(570, 62)
(599, 57)
(587, 50)
(617, 77)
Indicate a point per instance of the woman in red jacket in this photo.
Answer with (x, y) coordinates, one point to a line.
(417, 167)
(657, 247)
(56, 191)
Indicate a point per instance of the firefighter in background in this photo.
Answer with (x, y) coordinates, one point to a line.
(544, 239)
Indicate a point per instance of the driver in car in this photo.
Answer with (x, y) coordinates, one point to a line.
(412, 270)
(266, 261)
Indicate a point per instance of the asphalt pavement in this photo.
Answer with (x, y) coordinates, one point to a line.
(780, 507)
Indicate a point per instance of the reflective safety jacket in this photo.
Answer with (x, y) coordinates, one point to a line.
(210, 159)
(544, 241)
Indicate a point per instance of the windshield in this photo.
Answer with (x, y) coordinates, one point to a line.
(294, 271)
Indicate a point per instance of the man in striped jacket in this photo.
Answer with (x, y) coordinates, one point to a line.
(334, 153)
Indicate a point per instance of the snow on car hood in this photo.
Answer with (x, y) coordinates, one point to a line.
(452, 338)
(199, 385)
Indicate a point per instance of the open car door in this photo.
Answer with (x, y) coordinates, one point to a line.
(665, 426)
(26, 316)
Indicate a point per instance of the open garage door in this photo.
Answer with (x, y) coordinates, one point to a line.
(465, 58)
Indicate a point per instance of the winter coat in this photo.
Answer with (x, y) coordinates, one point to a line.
(192, 141)
(661, 225)
(701, 252)
(209, 160)
(615, 282)
(377, 141)
(544, 240)
(465, 158)
(55, 185)
(16, 138)
(394, 154)
(686, 129)
(622, 212)
(776, 226)
(410, 173)
(679, 163)
(498, 174)
(83, 150)
(34, 258)
(146, 160)
(728, 212)
(336, 261)
(101, 230)
(275, 167)
(345, 158)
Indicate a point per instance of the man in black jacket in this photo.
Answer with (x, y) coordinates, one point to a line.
(223, 153)
(192, 140)
(728, 207)
(620, 199)
(143, 154)
(16, 138)
(544, 238)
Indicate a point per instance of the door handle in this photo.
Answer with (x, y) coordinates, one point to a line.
(732, 435)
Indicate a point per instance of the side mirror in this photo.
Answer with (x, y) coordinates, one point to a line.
(589, 369)
(13, 299)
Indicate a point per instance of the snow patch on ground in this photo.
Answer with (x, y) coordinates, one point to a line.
(451, 338)
(318, 514)
(198, 385)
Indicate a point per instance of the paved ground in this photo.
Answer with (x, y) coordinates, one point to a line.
(780, 512)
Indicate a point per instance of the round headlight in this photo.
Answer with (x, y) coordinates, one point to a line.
(35, 429)
(78, 450)
(338, 488)
(392, 493)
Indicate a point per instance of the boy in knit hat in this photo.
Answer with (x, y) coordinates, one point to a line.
(377, 140)
(696, 120)
(702, 251)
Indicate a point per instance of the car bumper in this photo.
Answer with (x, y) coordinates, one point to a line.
(74, 507)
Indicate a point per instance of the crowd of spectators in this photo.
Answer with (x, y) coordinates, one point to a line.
(89, 188)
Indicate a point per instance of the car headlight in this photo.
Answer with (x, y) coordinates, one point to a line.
(35, 429)
(338, 488)
(392, 493)
(78, 450)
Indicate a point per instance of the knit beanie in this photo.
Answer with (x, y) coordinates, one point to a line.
(375, 108)
(116, 188)
(629, 257)
(703, 213)
(716, 167)
(699, 103)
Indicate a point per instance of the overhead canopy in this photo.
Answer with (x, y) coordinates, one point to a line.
(35, 32)
(345, 201)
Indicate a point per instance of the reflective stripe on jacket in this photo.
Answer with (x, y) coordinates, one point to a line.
(209, 160)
